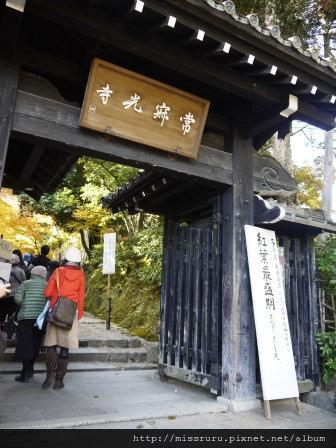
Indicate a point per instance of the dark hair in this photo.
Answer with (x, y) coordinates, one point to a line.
(45, 250)
(51, 266)
(19, 254)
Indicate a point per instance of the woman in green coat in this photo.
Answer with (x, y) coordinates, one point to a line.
(30, 297)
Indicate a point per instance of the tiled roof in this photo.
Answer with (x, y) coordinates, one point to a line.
(274, 31)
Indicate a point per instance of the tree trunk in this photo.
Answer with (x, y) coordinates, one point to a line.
(328, 178)
(84, 244)
(282, 151)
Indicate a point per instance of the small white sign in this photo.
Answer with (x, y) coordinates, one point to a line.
(276, 359)
(109, 253)
(5, 249)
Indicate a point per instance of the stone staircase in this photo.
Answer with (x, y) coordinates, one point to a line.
(99, 349)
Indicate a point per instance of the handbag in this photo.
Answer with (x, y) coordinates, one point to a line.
(64, 311)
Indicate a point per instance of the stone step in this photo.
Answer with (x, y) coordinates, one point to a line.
(92, 354)
(114, 342)
(9, 368)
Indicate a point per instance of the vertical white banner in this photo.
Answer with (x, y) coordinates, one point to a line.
(109, 253)
(276, 359)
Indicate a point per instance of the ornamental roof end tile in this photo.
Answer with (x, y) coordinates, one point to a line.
(274, 31)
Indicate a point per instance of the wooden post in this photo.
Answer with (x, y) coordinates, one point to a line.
(8, 85)
(298, 405)
(109, 314)
(9, 74)
(267, 410)
(239, 357)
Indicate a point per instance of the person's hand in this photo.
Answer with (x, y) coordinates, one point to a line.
(4, 290)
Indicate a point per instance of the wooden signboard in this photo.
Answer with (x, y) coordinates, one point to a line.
(128, 105)
(276, 359)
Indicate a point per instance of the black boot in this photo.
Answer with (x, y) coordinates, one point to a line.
(51, 363)
(62, 365)
(31, 368)
(24, 375)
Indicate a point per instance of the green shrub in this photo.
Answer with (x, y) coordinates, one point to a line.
(327, 345)
(135, 287)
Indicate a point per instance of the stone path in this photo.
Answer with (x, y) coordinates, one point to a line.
(99, 350)
(135, 399)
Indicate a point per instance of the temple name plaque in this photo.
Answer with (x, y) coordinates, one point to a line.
(125, 104)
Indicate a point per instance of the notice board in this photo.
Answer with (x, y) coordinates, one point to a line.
(109, 253)
(276, 359)
(129, 105)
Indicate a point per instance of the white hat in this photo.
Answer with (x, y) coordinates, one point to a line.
(73, 254)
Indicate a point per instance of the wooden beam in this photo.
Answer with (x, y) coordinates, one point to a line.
(112, 30)
(261, 122)
(58, 124)
(283, 129)
(32, 162)
(13, 182)
(37, 118)
(58, 175)
(48, 64)
(247, 40)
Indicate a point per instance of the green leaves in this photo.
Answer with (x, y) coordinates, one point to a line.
(327, 345)
(76, 206)
(326, 262)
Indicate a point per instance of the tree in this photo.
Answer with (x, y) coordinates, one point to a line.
(27, 233)
(295, 17)
(76, 204)
(309, 186)
(327, 10)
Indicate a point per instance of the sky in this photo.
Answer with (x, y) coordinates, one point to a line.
(305, 142)
(307, 145)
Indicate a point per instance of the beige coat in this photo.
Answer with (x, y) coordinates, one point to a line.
(60, 337)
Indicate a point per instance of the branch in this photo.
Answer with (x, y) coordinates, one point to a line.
(308, 138)
(85, 246)
(299, 130)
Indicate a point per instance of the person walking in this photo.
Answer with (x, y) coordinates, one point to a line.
(17, 276)
(66, 281)
(22, 264)
(42, 259)
(4, 291)
(30, 297)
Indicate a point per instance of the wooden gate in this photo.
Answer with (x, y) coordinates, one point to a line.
(301, 302)
(191, 301)
(190, 340)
